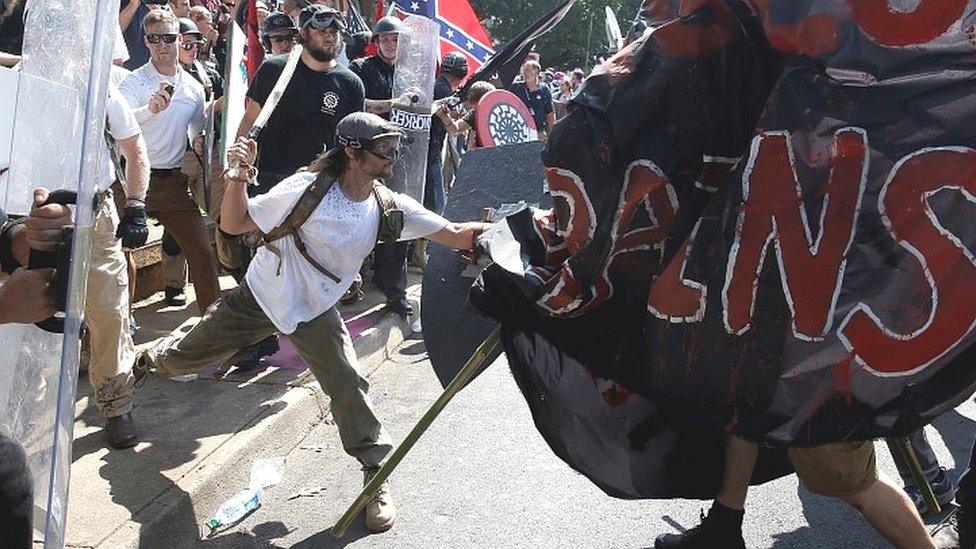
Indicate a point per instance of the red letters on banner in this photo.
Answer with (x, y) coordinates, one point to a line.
(948, 266)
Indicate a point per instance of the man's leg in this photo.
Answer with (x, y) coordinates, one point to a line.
(390, 275)
(722, 527)
(107, 317)
(848, 471)
(174, 270)
(236, 322)
(325, 346)
(170, 202)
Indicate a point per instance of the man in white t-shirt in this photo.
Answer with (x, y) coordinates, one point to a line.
(293, 283)
(169, 105)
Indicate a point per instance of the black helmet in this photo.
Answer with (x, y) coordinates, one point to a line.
(387, 25)
(277, 21)
(187, 26)
(456, 64)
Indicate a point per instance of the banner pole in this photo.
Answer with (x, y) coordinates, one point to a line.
(470, 369)
(904, 446)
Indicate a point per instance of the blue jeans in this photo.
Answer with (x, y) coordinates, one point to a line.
(390, 269)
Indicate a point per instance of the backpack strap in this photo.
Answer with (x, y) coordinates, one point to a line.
(310, 199)
(391, 217)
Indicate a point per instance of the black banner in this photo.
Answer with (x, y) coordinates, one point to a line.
(764, 223)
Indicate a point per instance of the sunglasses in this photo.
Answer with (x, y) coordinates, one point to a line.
(192, 45)
(278, 39)
(157, 38)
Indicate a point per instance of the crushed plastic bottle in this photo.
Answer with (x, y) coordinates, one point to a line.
(236, 508)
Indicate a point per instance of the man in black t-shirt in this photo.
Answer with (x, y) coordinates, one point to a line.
(454, 67)
(321, 92)
(536, 97)
(376, 71)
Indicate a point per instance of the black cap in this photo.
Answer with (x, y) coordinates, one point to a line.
(321, 17)
(359, 128)
(189, 27)
(277, 21)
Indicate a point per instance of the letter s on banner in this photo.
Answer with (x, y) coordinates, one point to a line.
(948, 266)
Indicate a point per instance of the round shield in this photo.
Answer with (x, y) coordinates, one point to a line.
(502, 119)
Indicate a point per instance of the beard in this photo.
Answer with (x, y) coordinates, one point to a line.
(322, 54)
(382, 172)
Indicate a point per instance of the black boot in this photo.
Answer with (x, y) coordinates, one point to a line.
(252, 357)
(121, 431)
(720, 529)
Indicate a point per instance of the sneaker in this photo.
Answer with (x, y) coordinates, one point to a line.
(140, 370)
(175, 297)
(711, 533)
(380, 511)
(941, 487)
(253, 355)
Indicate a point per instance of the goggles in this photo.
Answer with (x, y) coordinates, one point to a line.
(322, 21)
(380, 145)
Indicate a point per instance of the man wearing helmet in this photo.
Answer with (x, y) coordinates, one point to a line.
(278, 33)
(318, 225)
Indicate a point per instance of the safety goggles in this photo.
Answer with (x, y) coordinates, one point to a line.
(322, 21)
(388, 149)
(157, 38)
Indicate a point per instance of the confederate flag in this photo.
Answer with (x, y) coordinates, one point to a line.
(460, 28)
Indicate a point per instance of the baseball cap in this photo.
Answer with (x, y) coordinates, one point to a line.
(187, 26)
(358, 129)
(320, 17)
(277, 21)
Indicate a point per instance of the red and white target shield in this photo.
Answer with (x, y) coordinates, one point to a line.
(502, 118)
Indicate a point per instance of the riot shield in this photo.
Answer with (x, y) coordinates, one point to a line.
(413, 96)
(58, 122)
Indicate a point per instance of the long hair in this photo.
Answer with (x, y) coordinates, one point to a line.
(333, 162)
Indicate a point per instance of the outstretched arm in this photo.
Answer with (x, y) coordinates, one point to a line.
(460, 236)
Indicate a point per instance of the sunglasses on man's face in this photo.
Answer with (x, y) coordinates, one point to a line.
(191, 45)
(278, 39)
(157, 38)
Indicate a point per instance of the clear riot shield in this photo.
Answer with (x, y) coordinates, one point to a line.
(58, 119)
(413, 96)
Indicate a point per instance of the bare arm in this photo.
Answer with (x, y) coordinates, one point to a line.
(234, 218)
(8, 59)
(460, 236)
(126, 15)
(450, 124)
(251, 111)
(136, 166)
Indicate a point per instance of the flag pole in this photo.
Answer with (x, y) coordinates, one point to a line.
(470, 369)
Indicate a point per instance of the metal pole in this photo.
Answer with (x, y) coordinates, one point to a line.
(471, 367)
(903, 446)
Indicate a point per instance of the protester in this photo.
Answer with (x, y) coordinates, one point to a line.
(843, 470)
(321, 92)
(294, 282)
(278, 33)
(467, 123)
(131, 15)
(169, 105)
(536, 97)
(376, 71)
(561, 100)
(204, 20)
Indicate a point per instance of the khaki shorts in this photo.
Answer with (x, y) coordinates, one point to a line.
(839, 469)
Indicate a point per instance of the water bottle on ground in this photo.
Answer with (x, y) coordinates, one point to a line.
(235, 508)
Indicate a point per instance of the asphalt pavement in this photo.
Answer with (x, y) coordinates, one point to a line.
(483, 477)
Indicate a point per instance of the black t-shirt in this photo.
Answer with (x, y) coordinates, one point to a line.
(12, 27)
(377, 77)
(306, 117)
(437, 132)
(539, 102)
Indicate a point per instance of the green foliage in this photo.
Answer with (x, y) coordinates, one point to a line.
(580, 33)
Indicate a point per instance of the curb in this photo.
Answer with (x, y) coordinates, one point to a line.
(163, 522)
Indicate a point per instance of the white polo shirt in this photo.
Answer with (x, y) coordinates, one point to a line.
(167, 131)
(122, 124)
(339, 234)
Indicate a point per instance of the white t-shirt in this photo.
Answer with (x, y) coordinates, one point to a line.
(122, 124)
(167, 131)
(339, 234)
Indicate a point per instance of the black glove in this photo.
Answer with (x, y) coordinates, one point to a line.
(133, 229)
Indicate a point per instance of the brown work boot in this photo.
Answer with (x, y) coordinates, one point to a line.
(380, 511)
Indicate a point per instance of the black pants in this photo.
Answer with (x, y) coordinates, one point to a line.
(390, 269)
(16, 496)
